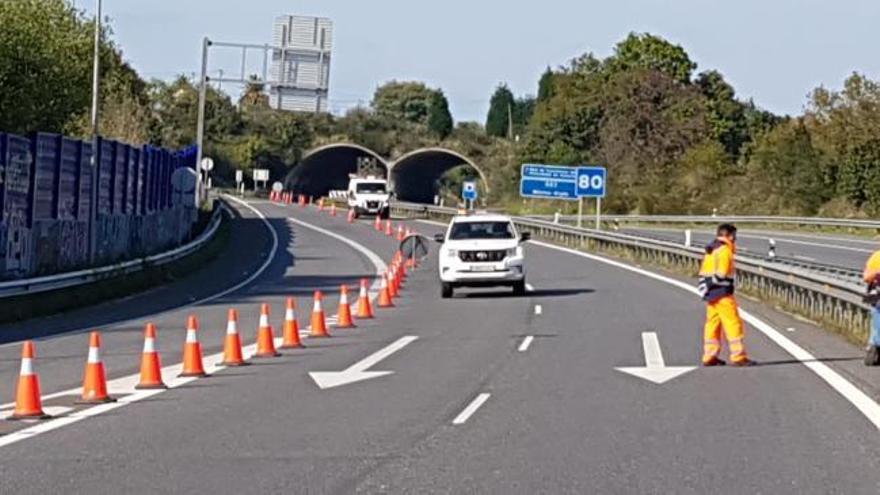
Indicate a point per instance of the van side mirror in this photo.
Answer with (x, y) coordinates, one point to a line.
(525, 236)
(440, 238)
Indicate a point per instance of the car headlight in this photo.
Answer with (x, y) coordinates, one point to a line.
(511, 252)
(451, 253)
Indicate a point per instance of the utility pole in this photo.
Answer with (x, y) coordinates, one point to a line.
(510, 121)
(200, 126)
(96, 90)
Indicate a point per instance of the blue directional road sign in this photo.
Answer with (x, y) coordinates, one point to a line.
(591, 182)
(561, 182)
(469, 190)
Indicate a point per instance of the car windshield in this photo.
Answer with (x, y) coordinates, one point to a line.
(481, 230)
(371, 187)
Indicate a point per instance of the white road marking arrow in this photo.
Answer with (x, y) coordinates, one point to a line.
(358, 371)
(655, 369)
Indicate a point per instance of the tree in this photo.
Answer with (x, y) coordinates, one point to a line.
(406, 101)
(500, 107)
(45, 65)
(254, 96)
(545, 86)
(175, 113)
(647, 51)
(726, 114)
(439, 118)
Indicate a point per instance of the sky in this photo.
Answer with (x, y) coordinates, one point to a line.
(773, 51)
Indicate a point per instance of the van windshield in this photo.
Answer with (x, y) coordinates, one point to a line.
(481, 230)
(371, 187)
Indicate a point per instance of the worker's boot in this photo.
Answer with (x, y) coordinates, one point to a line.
(715, 361)
(872, 357)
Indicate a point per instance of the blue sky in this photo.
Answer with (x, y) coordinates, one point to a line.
(775, 51)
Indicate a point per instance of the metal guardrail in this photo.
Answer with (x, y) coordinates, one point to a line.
(815, 295)
(740, 219)
(48, 283)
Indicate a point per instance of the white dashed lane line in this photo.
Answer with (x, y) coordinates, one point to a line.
(471, 409)
(539, 309)
(526, 342)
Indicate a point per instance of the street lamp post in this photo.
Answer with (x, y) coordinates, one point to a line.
(96, 90)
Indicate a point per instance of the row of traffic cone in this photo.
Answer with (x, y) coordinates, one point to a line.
(28, 404)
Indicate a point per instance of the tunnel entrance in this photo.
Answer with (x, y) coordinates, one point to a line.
(416, 176)
(327, 168)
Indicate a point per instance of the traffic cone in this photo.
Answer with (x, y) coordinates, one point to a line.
(265, 336)
(333, 210)
(401, 235)
(388, 231)
(94, 379)
(350, 216)
(232, 352)
(151, 366)
(291, 327)
(385, 293)
(378, 224)
(343, 314)
(321, 204)
(319, 323)
(365, 307)
(392, 282)
(28, 402)
(192, 350)
(302, 199)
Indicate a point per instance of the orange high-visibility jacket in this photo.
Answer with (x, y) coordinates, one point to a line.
(718, 271)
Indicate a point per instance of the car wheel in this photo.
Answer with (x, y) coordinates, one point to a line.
(446, 290)
(519, 288)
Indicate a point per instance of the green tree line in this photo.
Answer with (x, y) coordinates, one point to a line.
(675, 140)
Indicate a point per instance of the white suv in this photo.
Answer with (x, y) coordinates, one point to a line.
(481, 251)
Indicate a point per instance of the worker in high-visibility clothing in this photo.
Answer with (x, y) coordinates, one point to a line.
(717, 285)
(872, 297)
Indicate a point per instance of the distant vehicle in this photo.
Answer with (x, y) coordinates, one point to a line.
(481, 250)
(369, 196)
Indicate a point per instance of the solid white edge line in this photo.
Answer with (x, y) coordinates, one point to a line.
(124, 386)
(526, 342)
(471, 409)
(864, 403)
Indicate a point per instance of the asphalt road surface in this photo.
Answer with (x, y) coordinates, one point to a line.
(488, 393)
(841, 251)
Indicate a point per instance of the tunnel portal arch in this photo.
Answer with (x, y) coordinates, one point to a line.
(416, 175)
(327, 168)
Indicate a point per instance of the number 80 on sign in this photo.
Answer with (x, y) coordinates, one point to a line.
(591, 182)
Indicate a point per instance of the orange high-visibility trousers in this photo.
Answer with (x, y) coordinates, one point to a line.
(721, 314)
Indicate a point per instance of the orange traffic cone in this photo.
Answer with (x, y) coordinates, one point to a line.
(388, 231)
(291, 327)
(333, 210)
(385, 293)
(302, 200)
(378, 224)
(401, 235)
(365, 307)
(151, 366)
(192, 350)
(350, 216)
(321, 204)
(232, 352)
(94, 379)
(343, 314)
(28, 402)
(392, 282)
(319, 322)
(265, 336)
